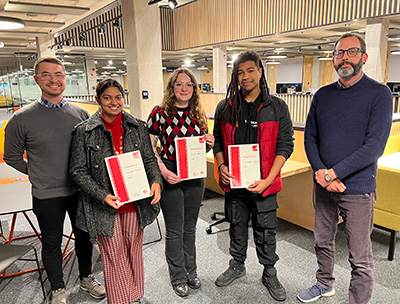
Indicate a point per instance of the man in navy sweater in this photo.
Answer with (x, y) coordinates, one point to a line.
(346, 132)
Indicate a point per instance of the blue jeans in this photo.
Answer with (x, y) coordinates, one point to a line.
(357, 211)
(180, 205)
(50, 214)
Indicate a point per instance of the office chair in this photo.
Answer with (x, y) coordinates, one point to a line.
(159, 231)
(9, 254)
(214, 216)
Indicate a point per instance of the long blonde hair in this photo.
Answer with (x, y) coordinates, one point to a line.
(196, 110)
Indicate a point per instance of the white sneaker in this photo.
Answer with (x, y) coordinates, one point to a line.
(93, 287)
(59, 296)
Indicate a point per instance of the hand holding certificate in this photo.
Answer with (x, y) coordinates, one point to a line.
(128, 176)
(244, 165)
(191, 157)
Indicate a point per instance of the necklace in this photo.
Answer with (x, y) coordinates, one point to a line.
(251, 113)
(119, 149)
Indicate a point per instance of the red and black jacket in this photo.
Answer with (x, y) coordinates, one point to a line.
(275, 136)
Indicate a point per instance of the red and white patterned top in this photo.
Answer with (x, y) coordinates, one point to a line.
(167, 128)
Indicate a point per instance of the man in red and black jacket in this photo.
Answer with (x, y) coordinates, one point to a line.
(249, 115)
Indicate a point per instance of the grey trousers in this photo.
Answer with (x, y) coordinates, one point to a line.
(357, 211)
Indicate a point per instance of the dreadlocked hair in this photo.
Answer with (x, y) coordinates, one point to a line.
(196, 110)
(233, 93)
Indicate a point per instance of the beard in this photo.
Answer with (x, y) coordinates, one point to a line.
(348, 72)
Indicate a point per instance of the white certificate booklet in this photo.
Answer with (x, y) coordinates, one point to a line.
(191, 157)
(244, 165)
(128, 176)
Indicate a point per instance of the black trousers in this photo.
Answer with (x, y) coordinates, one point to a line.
(180, 205)
(239, 209)
(50, 214)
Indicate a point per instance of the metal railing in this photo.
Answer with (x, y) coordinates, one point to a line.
(298, 104)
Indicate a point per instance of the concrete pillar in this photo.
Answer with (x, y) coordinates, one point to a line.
(376, 40)
(316, 73)
(142, 34)
(43, 46)
(91, 76)
(219, 69)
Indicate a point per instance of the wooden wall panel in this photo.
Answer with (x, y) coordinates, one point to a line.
(327, 73)
(206, 22)
(112, 37)
(207, 76)
(271, 77)
(308, 63)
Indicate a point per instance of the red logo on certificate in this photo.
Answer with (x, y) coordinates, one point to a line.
(255, 148)
(201, 140)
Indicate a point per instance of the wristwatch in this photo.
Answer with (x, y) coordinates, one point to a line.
(328, 178)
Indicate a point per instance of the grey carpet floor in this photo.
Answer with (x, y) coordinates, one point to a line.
(296, 267)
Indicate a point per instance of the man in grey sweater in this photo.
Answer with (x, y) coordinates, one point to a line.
(43, 129)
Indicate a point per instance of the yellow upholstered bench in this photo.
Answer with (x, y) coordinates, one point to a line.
(387, 206)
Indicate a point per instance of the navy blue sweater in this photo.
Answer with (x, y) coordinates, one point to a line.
(347, 130)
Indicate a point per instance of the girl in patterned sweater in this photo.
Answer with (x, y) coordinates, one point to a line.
(180, 115)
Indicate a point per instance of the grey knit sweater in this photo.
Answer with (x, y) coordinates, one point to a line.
(45, 134)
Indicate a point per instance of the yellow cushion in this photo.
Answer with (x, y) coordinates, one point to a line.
(2, 137)
(387, 206)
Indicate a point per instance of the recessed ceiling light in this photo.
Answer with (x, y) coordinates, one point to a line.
(277, 56)
(395, 52)
(324, 58)
(273, 62)
(11, 23)
(188, 64)
(202, 68)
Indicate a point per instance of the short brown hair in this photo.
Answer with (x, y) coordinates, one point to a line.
(48, 59)
(349, 35)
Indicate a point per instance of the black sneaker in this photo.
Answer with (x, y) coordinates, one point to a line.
(235, 270)
(275, 288)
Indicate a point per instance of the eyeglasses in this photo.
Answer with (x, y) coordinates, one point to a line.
(180, 85)
(47, 76)
(351, 52)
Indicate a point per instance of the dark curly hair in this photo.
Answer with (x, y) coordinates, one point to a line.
(196, 110)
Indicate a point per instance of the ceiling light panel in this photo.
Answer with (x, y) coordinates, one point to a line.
(48, 24)
(47, 9)
(10, 23)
